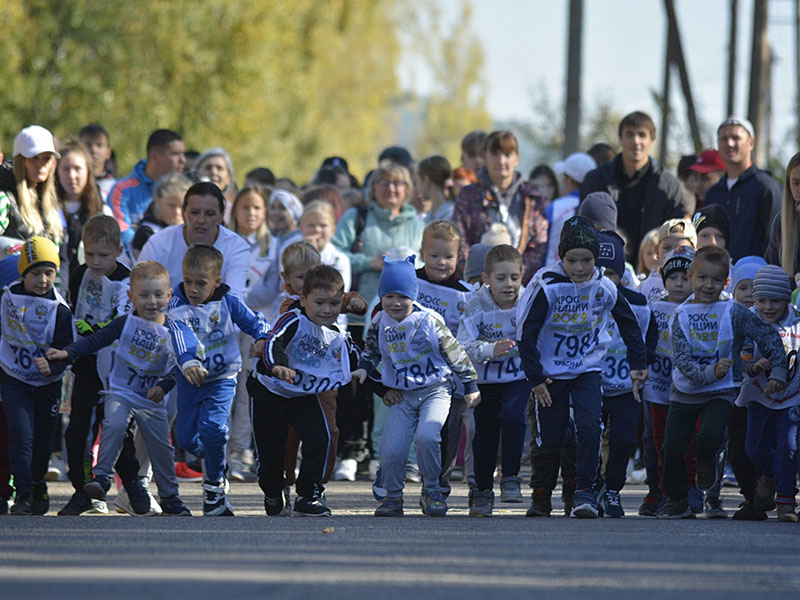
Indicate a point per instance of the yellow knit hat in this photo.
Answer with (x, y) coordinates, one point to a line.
(38, 251)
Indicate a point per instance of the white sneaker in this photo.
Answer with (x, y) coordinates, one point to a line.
(345, 470)
(236, 467)
(99, 507)
(57, 469)
(374, 465)
(412, 473)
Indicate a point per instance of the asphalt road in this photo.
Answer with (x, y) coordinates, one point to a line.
(507, 556)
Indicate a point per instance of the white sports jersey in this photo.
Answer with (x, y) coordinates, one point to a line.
(659, 380)
(28, 324)
(319, 355)
(616, 376)
(753, 389)
(574, 337)
(99, 298)
(217, 340)
(709, 331)
(445, 301)
(492, 326)
(142, 355)
(410, 354)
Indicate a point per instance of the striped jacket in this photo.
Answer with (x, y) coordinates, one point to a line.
(129, 199)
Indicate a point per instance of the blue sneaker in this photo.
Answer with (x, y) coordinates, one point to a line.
(174, 506)
(432, 502)
(378, 491)
(390, 507)
(695, 500)
(584, 505)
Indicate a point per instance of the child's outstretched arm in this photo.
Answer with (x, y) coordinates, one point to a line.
(86, 345)
(251, 322)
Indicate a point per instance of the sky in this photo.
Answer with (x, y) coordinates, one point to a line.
(525, 44)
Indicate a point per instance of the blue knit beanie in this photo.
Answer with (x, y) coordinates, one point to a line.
(399, 277)
(772, 282)
(745, 268)
(612, 253)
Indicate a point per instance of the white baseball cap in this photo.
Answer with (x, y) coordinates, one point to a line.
(576, 165)
(33, 141)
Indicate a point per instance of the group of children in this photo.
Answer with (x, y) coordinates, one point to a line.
(576, 352)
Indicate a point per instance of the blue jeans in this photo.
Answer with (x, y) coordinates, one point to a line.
(202, 424)
(501, 410)
(623, 415)
(772, 445)
(32, 412)
(554, 420)
(423, 411)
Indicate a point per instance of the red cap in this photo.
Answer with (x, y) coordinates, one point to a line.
(709, 160)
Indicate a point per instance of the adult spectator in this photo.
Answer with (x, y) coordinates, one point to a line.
(708, 169)
(78, 194)
(545, 179)
(216, 164)
(784, 237)
(28, 199)
(434, 175)
(97, 142)
(166, 209)
(472, 150)
(131, 195)
(503, 196)
(573, 172)
(602, 153)
(259, 176)
(645, 193)
(749, 195)
(387, 223)
(397, 155)
(203, 207)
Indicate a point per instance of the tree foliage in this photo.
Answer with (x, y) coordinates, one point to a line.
(278, 83)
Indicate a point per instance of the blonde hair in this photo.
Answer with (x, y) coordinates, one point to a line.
(441, 230)
(299, 256)
(790, 222)
(651, 237)
(148, 269)
(319, 206)
(38, 207)
(263, 238)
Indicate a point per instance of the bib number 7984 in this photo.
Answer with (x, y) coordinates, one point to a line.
(573, 345)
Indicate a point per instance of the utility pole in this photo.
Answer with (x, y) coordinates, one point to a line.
(734, 14)
(573, 108)
(666, 107)
(759, 58)
(680, 61)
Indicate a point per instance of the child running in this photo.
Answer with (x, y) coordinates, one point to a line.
(419, 356)
(141, 374)
(33, 318)
(98, 292)
(562, 337)
(441, 291)
(772, 420)
(305, 355)
(620, 406)
(203, 303)
(488, 334)
(708, 334)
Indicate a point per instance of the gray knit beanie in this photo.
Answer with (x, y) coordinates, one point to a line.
(601, 209)
(772, 282)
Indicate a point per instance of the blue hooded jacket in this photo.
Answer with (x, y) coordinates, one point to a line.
(129, 199)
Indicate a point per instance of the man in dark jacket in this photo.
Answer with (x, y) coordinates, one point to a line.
(646, 194)
(750, 196)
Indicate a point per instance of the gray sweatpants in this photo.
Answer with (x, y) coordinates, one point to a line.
(423, 411)
(154, 429)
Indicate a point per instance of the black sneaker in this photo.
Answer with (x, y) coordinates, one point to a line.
(310, 507)
(3, 505)
(97, 488)
(714, 509)
(676, 509)
(706, 477)
(748, 512)
(274, 506)
(137, 496)
(765, 493)
(390, 507)
(567, 495)
(174, 506)
(540, 505)
(613, 505)
(649, 506)
(22, 505)
(40, 501)
(77, 505)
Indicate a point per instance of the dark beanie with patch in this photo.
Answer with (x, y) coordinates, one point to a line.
(578, 232)
(612, 251)
(713, 215)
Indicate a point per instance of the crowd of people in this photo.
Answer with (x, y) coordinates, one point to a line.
(173, 326)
